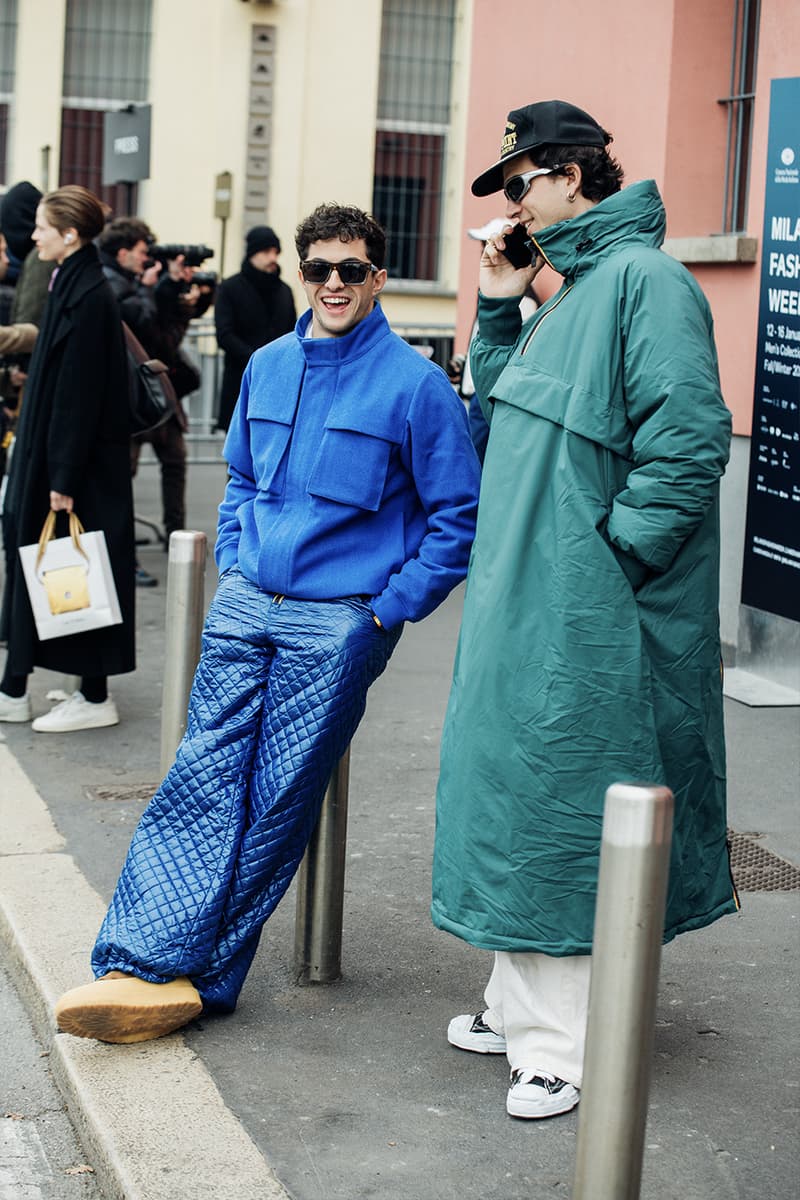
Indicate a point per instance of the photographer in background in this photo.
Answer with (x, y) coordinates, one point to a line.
(157, 305)
(252, 308)
(124, 252)
(183, 292)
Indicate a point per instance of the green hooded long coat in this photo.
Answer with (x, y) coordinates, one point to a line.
(589, 649)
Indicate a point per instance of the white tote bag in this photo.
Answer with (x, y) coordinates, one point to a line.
(69, 581)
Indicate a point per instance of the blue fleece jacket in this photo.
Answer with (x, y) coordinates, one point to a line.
(351, 473)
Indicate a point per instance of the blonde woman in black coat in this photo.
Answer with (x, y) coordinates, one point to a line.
(71, 454)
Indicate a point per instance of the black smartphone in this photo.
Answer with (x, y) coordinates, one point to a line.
(519, 251)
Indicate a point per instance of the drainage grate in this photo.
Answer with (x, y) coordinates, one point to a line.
(756, 869)
(124, 792)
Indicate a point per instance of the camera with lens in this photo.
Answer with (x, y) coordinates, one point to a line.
(205, 278)
(193, 256)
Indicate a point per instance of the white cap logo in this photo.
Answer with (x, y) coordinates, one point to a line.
(787, 156)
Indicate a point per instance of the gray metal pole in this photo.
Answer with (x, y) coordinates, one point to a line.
(185, 604)
(45, 152)
(320, 887)
(626, 955)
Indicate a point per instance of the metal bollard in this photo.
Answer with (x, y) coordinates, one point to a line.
(626, 955)
(184, 625)
(320, 887)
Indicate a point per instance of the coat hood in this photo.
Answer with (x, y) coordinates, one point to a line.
(18, 217)
(633, 216)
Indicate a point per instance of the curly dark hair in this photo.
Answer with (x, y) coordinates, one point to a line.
(123, 234)
(331, 221)
(601, 173)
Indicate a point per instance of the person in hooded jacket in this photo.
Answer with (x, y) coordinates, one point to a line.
(71, 454)
(17, 221)
(589, 651)
(251, 309)
(32, 280)
(6, 285)
(19, 336)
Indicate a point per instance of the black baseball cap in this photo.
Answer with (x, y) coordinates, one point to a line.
(547, 123)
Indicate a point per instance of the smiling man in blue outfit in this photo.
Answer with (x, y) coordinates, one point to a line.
(350, 508)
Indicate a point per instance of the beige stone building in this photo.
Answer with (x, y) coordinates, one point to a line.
(302, 101)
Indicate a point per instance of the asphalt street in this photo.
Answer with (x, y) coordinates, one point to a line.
(351, 1090)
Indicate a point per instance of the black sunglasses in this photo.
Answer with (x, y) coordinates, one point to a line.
(352, 270)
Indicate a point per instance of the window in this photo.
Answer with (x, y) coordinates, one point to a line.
(106, 65)
(740, 115)
(8, 45)
(412, 128)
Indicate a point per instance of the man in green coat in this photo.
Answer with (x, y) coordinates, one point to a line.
(589, 649)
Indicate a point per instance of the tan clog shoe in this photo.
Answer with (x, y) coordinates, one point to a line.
(123, 1008)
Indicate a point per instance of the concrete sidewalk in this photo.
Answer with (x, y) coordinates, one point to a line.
(351, 1090)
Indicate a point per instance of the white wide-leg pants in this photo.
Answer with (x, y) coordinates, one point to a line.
(540, 1004)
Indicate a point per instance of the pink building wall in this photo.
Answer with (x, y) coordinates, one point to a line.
(733, 292)
(652, 74)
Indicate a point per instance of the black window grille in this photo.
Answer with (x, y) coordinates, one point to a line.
(106, 66)
(740, 103)
(412, 129)
(82, 159)
(8, 48)
(3, 141)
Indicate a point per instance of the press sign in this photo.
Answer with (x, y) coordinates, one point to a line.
(126, 144)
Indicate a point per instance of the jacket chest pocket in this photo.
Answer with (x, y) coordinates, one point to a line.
(269, 441)
(351, 468)
(271, 419)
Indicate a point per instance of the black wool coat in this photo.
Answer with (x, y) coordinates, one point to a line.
(250, 309)
(72, 438)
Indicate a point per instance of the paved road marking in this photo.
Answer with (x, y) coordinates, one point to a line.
(23, 1162)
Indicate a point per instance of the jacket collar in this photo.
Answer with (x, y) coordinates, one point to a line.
(107, 261)
(634, 215)
(334, 351)
(77, 275)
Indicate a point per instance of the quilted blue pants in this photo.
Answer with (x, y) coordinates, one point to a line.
(279, 691)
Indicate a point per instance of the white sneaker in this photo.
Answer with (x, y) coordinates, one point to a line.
(536, 1094)
(15, 708)
(77, 713)
(470, 1032)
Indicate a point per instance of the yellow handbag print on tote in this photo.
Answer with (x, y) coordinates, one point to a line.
(67, 588)
(69, 580)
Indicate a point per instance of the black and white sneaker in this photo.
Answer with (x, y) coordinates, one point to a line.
(535, 1094)
(470, 1032)
(144, 578)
